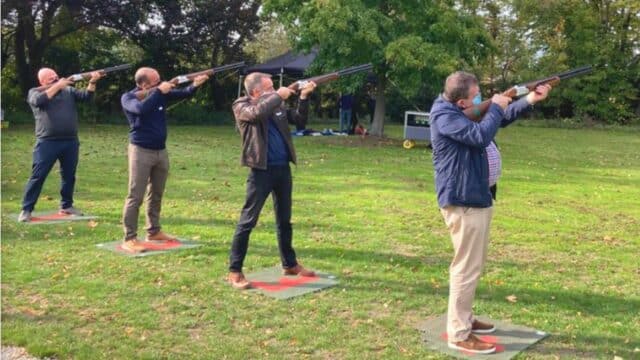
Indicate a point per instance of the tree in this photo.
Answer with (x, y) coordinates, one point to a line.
(511, 54)
(221, 28)
(571, 33)
(269, 42)
(410, 42)
(33, 25)
(174, 36)
(182, 35)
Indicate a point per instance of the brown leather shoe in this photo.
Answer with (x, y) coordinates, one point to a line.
(473, 345)
(133, 246)
(298, 270)
(238, 281)
(160, 237)
(478, 327)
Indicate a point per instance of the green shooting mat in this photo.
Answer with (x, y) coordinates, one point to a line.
(509, 339)
(153, 248)
(53, 217)
(272, 283)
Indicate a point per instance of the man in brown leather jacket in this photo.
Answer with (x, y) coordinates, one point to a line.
(263, 121)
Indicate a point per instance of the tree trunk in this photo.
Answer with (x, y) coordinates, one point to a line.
(23, 71)
(29, 49)
(377, 128)
(217, 91)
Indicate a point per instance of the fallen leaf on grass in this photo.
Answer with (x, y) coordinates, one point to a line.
(92, 224)
(512, 298)
(31, 312)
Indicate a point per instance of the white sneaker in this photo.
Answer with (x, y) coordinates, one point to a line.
(25, 216)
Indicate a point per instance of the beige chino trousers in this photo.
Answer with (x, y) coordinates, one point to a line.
(469, 229)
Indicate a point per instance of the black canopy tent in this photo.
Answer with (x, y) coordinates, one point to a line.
(290, 63)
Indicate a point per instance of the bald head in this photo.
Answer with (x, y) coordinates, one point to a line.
(255, 84)
(147, 77)
(47, 76)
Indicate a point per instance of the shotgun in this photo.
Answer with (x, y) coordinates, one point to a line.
(87, 75)
(321, 79)
(476, 112)
(183, 79)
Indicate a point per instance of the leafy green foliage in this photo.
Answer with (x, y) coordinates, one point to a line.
(269, 42)
(413, 43)
(175, 37)
(554, 36)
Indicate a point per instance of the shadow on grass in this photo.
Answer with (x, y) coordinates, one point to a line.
(368, 281)
(584, 302)
(565, 346)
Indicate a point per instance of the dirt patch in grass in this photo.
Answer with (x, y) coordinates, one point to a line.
(18, 353)
(409, 251)
(361, 141)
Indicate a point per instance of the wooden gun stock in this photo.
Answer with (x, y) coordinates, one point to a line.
(476, 113)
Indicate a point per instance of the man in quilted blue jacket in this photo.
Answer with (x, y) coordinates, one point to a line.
(462, 186)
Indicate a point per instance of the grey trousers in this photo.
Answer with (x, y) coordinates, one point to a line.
(148, 172)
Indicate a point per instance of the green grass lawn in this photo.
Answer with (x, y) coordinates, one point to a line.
(565, 242)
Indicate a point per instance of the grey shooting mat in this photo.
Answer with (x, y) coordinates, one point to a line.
(509, 339)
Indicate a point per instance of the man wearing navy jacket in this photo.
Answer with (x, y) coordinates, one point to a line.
(148, 158)
(462, 185)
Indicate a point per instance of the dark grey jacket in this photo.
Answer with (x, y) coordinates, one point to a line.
(57, 118)
(252, 119)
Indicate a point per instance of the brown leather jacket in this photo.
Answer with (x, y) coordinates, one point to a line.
(252, 119)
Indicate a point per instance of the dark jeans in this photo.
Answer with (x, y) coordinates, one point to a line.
(260, 183)
(45, 154)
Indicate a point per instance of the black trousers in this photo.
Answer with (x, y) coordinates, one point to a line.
(275, 180)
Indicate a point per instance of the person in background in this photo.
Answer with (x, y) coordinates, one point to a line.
(346, 106)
